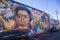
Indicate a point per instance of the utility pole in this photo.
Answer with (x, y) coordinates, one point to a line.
(57, 16)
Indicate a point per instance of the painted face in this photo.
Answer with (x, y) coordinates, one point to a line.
(36, 14)
(46, 17)
(22, 18)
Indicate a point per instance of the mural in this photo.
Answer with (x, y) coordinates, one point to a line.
(19, 17)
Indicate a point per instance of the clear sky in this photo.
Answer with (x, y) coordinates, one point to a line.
(45, 5)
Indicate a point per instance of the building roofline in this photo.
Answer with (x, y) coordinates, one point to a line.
(29, 6)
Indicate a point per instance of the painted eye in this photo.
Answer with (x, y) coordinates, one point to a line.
(19, 16)
(26, 16)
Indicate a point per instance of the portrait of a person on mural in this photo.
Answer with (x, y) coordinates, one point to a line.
(36, 22)
(23, 17)
(45, 21)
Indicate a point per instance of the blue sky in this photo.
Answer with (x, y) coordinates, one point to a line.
(45, 5)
